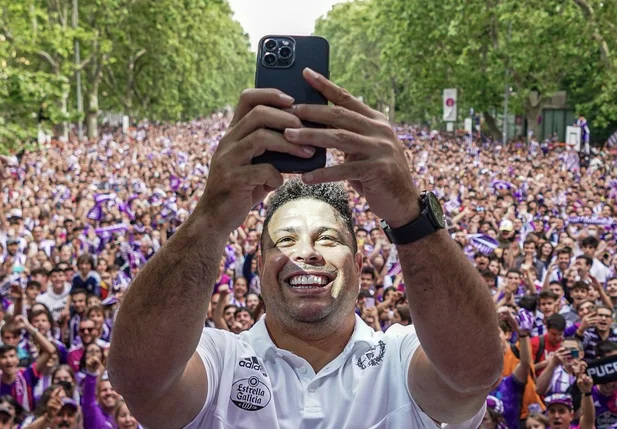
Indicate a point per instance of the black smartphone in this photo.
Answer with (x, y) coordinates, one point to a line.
(280, 62)
(574, 353)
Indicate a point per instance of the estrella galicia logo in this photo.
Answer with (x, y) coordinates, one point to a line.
(373, 356)
(250, 394)
(252, 363)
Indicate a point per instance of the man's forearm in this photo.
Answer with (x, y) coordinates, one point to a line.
(164, 310)
(453, 312)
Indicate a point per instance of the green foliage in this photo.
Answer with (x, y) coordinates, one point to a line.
(165, 60)
(413, 49)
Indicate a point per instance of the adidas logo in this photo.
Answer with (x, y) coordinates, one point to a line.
(252, 363)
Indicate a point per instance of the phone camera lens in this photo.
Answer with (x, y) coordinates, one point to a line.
(270, 44)
(270, 59)
(285, 52)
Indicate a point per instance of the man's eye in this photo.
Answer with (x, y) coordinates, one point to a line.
(284, 240)
(327, 238)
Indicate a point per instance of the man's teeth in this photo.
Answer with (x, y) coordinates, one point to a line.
(305, 282)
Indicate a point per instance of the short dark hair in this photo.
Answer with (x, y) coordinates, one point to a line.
(576, 340)
(530, 242)
(604, 348)
(564, 251)
(488, 274)
(79, 290)
(33, 283)
(5, 348)
(588, 260)
(333, 194)
(56, 269)
(529, 302)
(591, 242)
(580, 285)
(39, 270)
(547, 294)
(368, 270)
(514, 271)
(243, 310)
(556, 321)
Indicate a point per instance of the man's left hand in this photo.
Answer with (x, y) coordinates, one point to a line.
(375, 163)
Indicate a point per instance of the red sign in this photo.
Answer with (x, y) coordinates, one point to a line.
(450, 102)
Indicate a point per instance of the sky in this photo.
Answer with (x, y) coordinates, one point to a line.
(290, 17)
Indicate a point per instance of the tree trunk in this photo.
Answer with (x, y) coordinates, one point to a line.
(93, 112)
(493, 129)
(63, 127)
(532, 111)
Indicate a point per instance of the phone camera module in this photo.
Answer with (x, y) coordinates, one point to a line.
(270, 45)
(285, 52)
(270, 59)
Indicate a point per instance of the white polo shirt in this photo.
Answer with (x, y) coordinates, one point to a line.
(254, 384)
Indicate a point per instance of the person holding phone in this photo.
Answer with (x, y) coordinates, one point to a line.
(310, 347)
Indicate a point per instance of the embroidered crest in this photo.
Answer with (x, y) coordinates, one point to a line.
(373, 356)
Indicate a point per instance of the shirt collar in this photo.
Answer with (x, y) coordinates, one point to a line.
(263, 344)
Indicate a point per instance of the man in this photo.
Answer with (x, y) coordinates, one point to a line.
(563, 369)
(19, 382)
(99, 398)
(562, 306)
(78, 300)
(61, 412)
(86, 278)
(56, 298)
(583, 264)
(589, 246)
(506, 234)
(542, 348)
(481, 260)
(548, 303)
(88, 333)
(561, 411)
(557, 271)
(309, 268)
(596, 328)
(41, 275)
(611, 290)
(367, 280)
(529, 257)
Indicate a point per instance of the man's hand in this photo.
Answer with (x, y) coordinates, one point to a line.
(234, 184)
(22, 323)
(375, 163)
(54, 405)
(17, 293)
(589, 321)
(560, 356)
(585, 383)
(94, 365)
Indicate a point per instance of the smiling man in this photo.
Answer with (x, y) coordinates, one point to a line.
(310, 362)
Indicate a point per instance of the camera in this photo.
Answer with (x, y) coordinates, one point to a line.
(277, 52)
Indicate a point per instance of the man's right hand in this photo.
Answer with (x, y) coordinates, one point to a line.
(234, 184)
(589, 321)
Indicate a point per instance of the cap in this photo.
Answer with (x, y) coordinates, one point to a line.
(6, 410)
(506, 225)
(12, 240)
(559, 398)
(15, 213)
(68, 402)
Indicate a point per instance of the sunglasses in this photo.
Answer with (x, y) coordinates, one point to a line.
(86, 330)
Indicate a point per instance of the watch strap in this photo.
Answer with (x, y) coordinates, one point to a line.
(413, 231)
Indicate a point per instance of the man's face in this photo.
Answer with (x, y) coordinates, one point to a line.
(84, 268)
(245, 320)
(581, 267)
(40, 278)
(579, 295)
(588, 251)
(482, 262)
(514, 279)
(9, 362)
(547, 306)
(570, 361)
(529, 249)
(97, 317)
(460, 238)
(366, 281)
(58, 279)
(87, 331)
(12, 248)
(309, 270)
(66, 418)
(585, 308)
(554, 336)
(37, 233)
(79, 302)
(605, 319)
(229, 315)
(611, 288)
(560, 416)
(10, 339)
(564, 261)
(107, 395)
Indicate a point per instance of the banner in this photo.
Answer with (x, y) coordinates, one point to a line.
(603, 370)
(573, 137)
(449, 105)
(589, 220)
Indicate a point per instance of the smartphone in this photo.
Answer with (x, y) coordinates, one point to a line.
(574, 353)
(369, 303)
(280, 62)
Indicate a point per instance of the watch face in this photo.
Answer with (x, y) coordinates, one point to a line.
(436, 210)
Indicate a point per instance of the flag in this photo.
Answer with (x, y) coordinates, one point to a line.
(483, 243)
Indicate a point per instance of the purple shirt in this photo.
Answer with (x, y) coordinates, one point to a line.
(94, 416)
(606, 409)
(22, 388)
(510, 391)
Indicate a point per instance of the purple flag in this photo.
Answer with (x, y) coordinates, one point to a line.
(174, 182)
(95, 213)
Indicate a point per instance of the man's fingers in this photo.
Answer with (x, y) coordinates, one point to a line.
(346, 141)
(256, 96)
(348, 171)
(264, 117)
(336, 117)
(264, 140)
(338, 95)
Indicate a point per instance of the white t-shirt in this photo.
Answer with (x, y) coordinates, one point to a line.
(254, 384)
(55, 302)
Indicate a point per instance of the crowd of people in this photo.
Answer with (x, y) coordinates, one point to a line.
(78, 221)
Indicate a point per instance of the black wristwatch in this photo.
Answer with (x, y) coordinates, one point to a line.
(431, 220)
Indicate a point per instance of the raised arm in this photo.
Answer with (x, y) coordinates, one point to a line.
(47, 348)
(588, 409)
(160, 322)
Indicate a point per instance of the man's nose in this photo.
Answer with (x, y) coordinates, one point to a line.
(306, 251)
